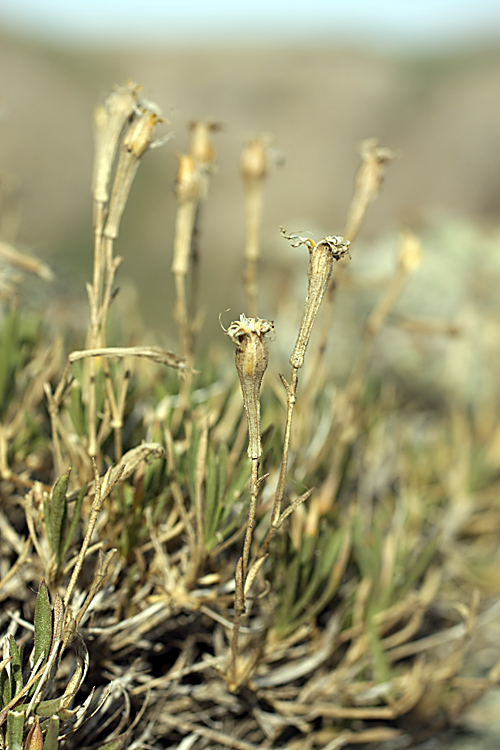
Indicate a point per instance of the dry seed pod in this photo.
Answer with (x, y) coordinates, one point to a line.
(368, 182)
(137, 140)
(371, 171)
(109, 123)
(202, 148)
(255, 161)
(251, 361)
(319, 271)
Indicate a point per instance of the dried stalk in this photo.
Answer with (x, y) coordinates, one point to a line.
(256, 161)
(251, 360)
(102, 489)
(123, 112)
(319, 271)
(367, 189)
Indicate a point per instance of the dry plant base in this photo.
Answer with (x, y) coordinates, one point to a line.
(332, 585)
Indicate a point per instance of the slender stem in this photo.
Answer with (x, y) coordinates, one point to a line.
(238, 445)
(94, 513)
(194, 279)
(184, 226)
(180, 313)
(291, 398)
(253, 205)
(239, 608)
(176, 489)
(201, 458)
(254, 491)
(95, 293)
(92, 450)
(291, 390)
(102, 489)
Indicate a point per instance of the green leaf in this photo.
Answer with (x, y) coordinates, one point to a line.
(54, 708)
(58, 511)
(191, 462)
(210, 514)
(380, 663)
(8, 352)
(74, 522)
(52, 734)
(43, 626)
(419, 567)
(222, 477)
(5, 688)
(16, 667)
(15, 726)
(324, 565)
(289, 591)
(76, 407)
(48, 525)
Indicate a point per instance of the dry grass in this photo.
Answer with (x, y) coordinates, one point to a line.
(333, 585)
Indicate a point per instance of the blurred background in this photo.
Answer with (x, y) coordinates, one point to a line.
(422, 76)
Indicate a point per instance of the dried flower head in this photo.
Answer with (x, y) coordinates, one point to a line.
(251, 360)
(248, 326)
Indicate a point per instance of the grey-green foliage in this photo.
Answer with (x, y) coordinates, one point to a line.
(307, 578)
(16, 339)
(43, 625)
(15, 728)
(11, 676)
(50, 742)
(59, 532)
(223, 514)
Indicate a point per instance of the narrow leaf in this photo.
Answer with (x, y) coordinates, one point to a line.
(5, 688)
(15, 726)
(210, 510)
(380, 663)
(16, 667)
(74, 522)
(43, 626)
(58, 512)
(52, 733)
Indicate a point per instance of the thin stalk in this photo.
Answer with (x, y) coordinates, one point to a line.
(201, 458)
(291, 398)
(254, 491)
(256, 161)
(253, 208)
(251, 361)
(367, 189)
(102, 490)
(203, 154)
(321, 258)
(184, 225)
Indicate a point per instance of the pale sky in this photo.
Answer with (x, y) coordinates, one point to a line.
(393, 24)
